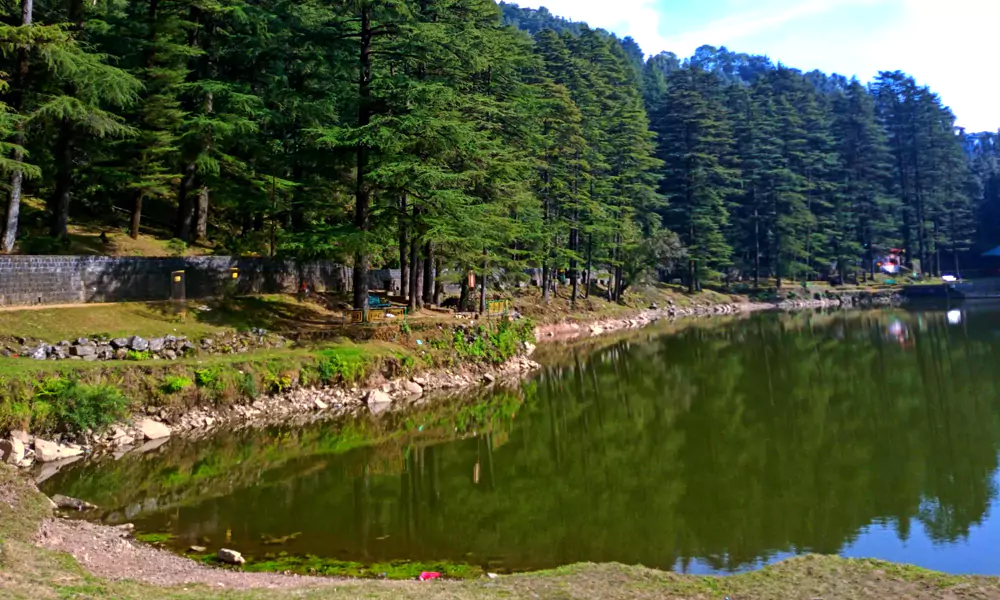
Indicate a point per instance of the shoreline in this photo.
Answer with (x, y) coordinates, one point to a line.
(47, 556)
(151, 426)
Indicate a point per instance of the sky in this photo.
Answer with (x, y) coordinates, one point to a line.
(947, 45)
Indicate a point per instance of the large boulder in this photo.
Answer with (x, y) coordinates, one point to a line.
(138, 344)
(40, 353)
(156, 344)
(378, 401)
(46, 451)
(119, 343)
(67, 503)
(11, 451)
(231, 557)
(87, 350)
(413, 388)
(153, 430)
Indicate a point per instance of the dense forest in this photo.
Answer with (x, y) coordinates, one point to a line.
(448, 136)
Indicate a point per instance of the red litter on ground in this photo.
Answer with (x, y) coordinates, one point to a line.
(428, 575)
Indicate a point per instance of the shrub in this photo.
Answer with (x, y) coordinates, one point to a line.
(175, 383)
(137, 355)
(247, 385)
(78, 406)
(208, 378)
(176, 247)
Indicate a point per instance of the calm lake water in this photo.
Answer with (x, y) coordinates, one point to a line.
(710, 449)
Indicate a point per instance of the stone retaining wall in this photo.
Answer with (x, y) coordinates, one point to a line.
(26, 280)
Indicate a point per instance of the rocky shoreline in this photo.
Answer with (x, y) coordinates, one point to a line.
(154, 425)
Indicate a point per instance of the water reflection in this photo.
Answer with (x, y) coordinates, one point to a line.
(713, 449)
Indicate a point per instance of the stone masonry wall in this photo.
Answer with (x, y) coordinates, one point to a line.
(26, 280)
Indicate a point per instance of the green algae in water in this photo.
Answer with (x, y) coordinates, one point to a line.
(402, 569)
(154, 538)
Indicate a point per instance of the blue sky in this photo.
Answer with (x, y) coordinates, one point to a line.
(946, 44)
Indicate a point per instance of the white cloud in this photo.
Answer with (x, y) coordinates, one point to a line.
(946, 44)
(729, 30)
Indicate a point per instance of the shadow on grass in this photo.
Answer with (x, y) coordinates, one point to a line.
(278, 314)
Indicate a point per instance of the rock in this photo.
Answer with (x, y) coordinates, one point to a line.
(375, 397)
(420, 381)
(90, 357)
(169, 354)
(67, 503)
(529, 348)
(231, 557)
(413, 388)
(197, 549)
(40, 353)
(11, 451)
(121, 354)
(151, 430)
(209, 421)
(157, 344)
(23, 436)
(138, 344)
(320, 405)
(489, 378)
(119, 343)
(46, 451)
(378, 401)
(105, 352)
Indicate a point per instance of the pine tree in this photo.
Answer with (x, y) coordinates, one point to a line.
(695, 144)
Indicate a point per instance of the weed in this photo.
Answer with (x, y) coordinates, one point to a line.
(154, 538)
(138, 355)
(208, 378)
(176, 247)
(175, 383)
(247, 385)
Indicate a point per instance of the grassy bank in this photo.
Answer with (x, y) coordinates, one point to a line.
(70, 396)
(30, 572)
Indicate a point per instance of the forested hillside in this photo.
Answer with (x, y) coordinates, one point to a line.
(422, 133)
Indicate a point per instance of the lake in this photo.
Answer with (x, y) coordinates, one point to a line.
(708, 447)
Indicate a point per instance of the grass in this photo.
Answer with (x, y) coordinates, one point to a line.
(29, 572)
(111, 320)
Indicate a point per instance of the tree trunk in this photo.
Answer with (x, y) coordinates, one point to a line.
(482, 285)
(429, 273)
(404, 251)
(438, 282)
(463, 295)
(546, 274)
(756, 249)
(63, 181)
(16, 104)
(590, 265)
(201, 220)
(362, 192)
(133, 231)
(185, 212)
(414, 272)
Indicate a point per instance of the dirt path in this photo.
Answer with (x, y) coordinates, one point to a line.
(110, 552)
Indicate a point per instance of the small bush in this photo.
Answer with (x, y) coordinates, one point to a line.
(137, 355)
(208, 378)
(176, 247)
(77, 405)
(247, 385)
(174, 383)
